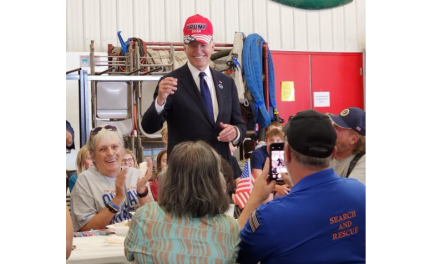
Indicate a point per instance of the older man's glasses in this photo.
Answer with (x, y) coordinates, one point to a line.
(96, 130)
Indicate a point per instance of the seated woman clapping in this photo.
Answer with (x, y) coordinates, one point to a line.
(105, 193)
(188, 224)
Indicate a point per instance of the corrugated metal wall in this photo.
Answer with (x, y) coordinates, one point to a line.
(287, 28)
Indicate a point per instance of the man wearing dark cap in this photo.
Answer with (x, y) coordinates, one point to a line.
(321, 220)
(197, 102)
(350, 129)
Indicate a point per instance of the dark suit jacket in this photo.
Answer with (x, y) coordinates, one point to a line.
(187, 117)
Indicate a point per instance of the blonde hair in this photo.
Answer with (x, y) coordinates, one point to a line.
(274, 124)
(136, 165)
(81, 159)
(275, 133)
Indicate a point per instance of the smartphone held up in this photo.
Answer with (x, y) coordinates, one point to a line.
(277, 164)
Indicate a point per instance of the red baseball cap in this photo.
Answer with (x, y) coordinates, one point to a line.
(197, 28)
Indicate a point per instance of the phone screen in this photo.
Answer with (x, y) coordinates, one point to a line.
(277, 164)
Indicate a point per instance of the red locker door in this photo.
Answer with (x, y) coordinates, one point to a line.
(340, 74)
(292, 66)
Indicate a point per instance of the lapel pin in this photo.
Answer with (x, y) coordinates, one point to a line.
(220, 84)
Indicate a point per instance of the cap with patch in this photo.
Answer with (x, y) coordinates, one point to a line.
(351, 117)
(311, 134)
(197, 28)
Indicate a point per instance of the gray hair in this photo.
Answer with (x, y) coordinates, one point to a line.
(312, 163)
(193, 184)
(104, 134)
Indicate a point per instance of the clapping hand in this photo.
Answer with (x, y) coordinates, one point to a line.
(120, 184)
(142, 181)
(262, 186)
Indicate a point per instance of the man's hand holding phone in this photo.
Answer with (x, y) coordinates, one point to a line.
(277, 164)
(263, 185)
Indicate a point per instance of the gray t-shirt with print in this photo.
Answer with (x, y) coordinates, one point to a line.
(93, 191)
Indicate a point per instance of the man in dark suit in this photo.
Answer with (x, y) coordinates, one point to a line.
(197, 102)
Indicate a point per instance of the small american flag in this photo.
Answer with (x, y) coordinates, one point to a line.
(244, 186)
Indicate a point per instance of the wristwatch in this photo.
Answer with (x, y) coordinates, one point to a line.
(142, 195)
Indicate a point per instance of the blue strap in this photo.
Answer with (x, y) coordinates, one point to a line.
(124, 45)
(252, 69)
(236, 62)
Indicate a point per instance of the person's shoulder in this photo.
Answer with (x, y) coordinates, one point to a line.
(266, 214)
(257, 155)
(226, 223)
(254, 154)
(73, 178)
(233, 223)
(354, 183)
(149, 211)
(89, 175)
(90, 172)
(183, 69)
(231, 220)
(84, 181)
(350, 186)
(177, 72)
(260, 151)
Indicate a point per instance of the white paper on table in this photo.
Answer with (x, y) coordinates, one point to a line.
(115, 240)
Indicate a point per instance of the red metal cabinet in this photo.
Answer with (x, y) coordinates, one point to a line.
(340, 74)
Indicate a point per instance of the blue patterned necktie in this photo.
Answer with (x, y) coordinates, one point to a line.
(206, 96)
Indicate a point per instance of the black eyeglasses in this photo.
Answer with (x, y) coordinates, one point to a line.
(127, 160)
(96, 130)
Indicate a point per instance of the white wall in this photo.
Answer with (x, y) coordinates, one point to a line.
(337, 29)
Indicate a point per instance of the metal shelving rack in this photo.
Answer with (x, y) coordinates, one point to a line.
(84, 110)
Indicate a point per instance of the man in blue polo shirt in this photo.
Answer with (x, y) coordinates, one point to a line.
(321, 220)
